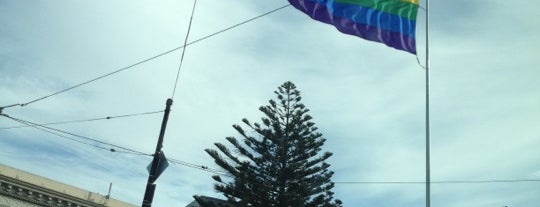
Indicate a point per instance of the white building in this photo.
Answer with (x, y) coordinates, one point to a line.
(22, 189)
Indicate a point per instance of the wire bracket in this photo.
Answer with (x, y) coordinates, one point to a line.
(8, 106)
(1, 113)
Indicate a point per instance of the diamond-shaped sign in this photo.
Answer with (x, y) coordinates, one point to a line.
(162, 165)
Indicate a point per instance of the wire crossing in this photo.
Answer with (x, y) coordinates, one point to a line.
(144, 61)
(183, 49)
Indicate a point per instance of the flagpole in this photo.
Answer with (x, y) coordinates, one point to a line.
(428, 133)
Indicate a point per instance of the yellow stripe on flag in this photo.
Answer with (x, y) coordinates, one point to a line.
(411, 1)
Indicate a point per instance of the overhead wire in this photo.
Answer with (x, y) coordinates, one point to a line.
(50, 130)
(183, 50)
(218, 172)
(86, 120)
(60, 135)
(485, 181)
(145, 60)
(88, 140)
(59, 131)
(199, 167)
(441, 182)
(239, 24)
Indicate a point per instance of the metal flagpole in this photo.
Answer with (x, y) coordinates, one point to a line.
(428, 138)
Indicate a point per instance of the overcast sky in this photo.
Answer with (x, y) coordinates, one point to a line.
(367, 99)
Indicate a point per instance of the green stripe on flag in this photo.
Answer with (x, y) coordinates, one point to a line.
(397, 7)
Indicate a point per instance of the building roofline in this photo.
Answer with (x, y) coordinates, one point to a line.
(39, 190)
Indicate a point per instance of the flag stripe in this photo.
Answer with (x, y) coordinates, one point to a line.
(372, 17)
(389, 38)
(412, 1)
(367, 22)
(402, 8)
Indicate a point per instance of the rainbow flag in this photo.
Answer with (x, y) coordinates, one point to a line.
(392, 22)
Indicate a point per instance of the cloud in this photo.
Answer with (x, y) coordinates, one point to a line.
(367, 99)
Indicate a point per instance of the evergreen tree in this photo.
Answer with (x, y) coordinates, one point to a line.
(280, 165)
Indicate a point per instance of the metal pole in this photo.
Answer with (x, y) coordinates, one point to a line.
(428, 133)
(150, 186)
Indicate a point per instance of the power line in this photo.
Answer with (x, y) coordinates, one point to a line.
(485, 181)
(145, 60)
(199, 167)
(218, 172)
(86, 120)
(440, 182)
(61, 133)
(183, 49)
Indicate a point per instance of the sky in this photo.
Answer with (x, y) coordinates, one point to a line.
(368, 100)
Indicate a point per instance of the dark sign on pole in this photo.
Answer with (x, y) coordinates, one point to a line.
(161, 166)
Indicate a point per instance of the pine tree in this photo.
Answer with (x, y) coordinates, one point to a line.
(280, 165)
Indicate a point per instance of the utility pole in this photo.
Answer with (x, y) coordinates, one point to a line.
(158, 157)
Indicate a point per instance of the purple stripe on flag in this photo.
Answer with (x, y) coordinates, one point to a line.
(389, 38)
(317, 11)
